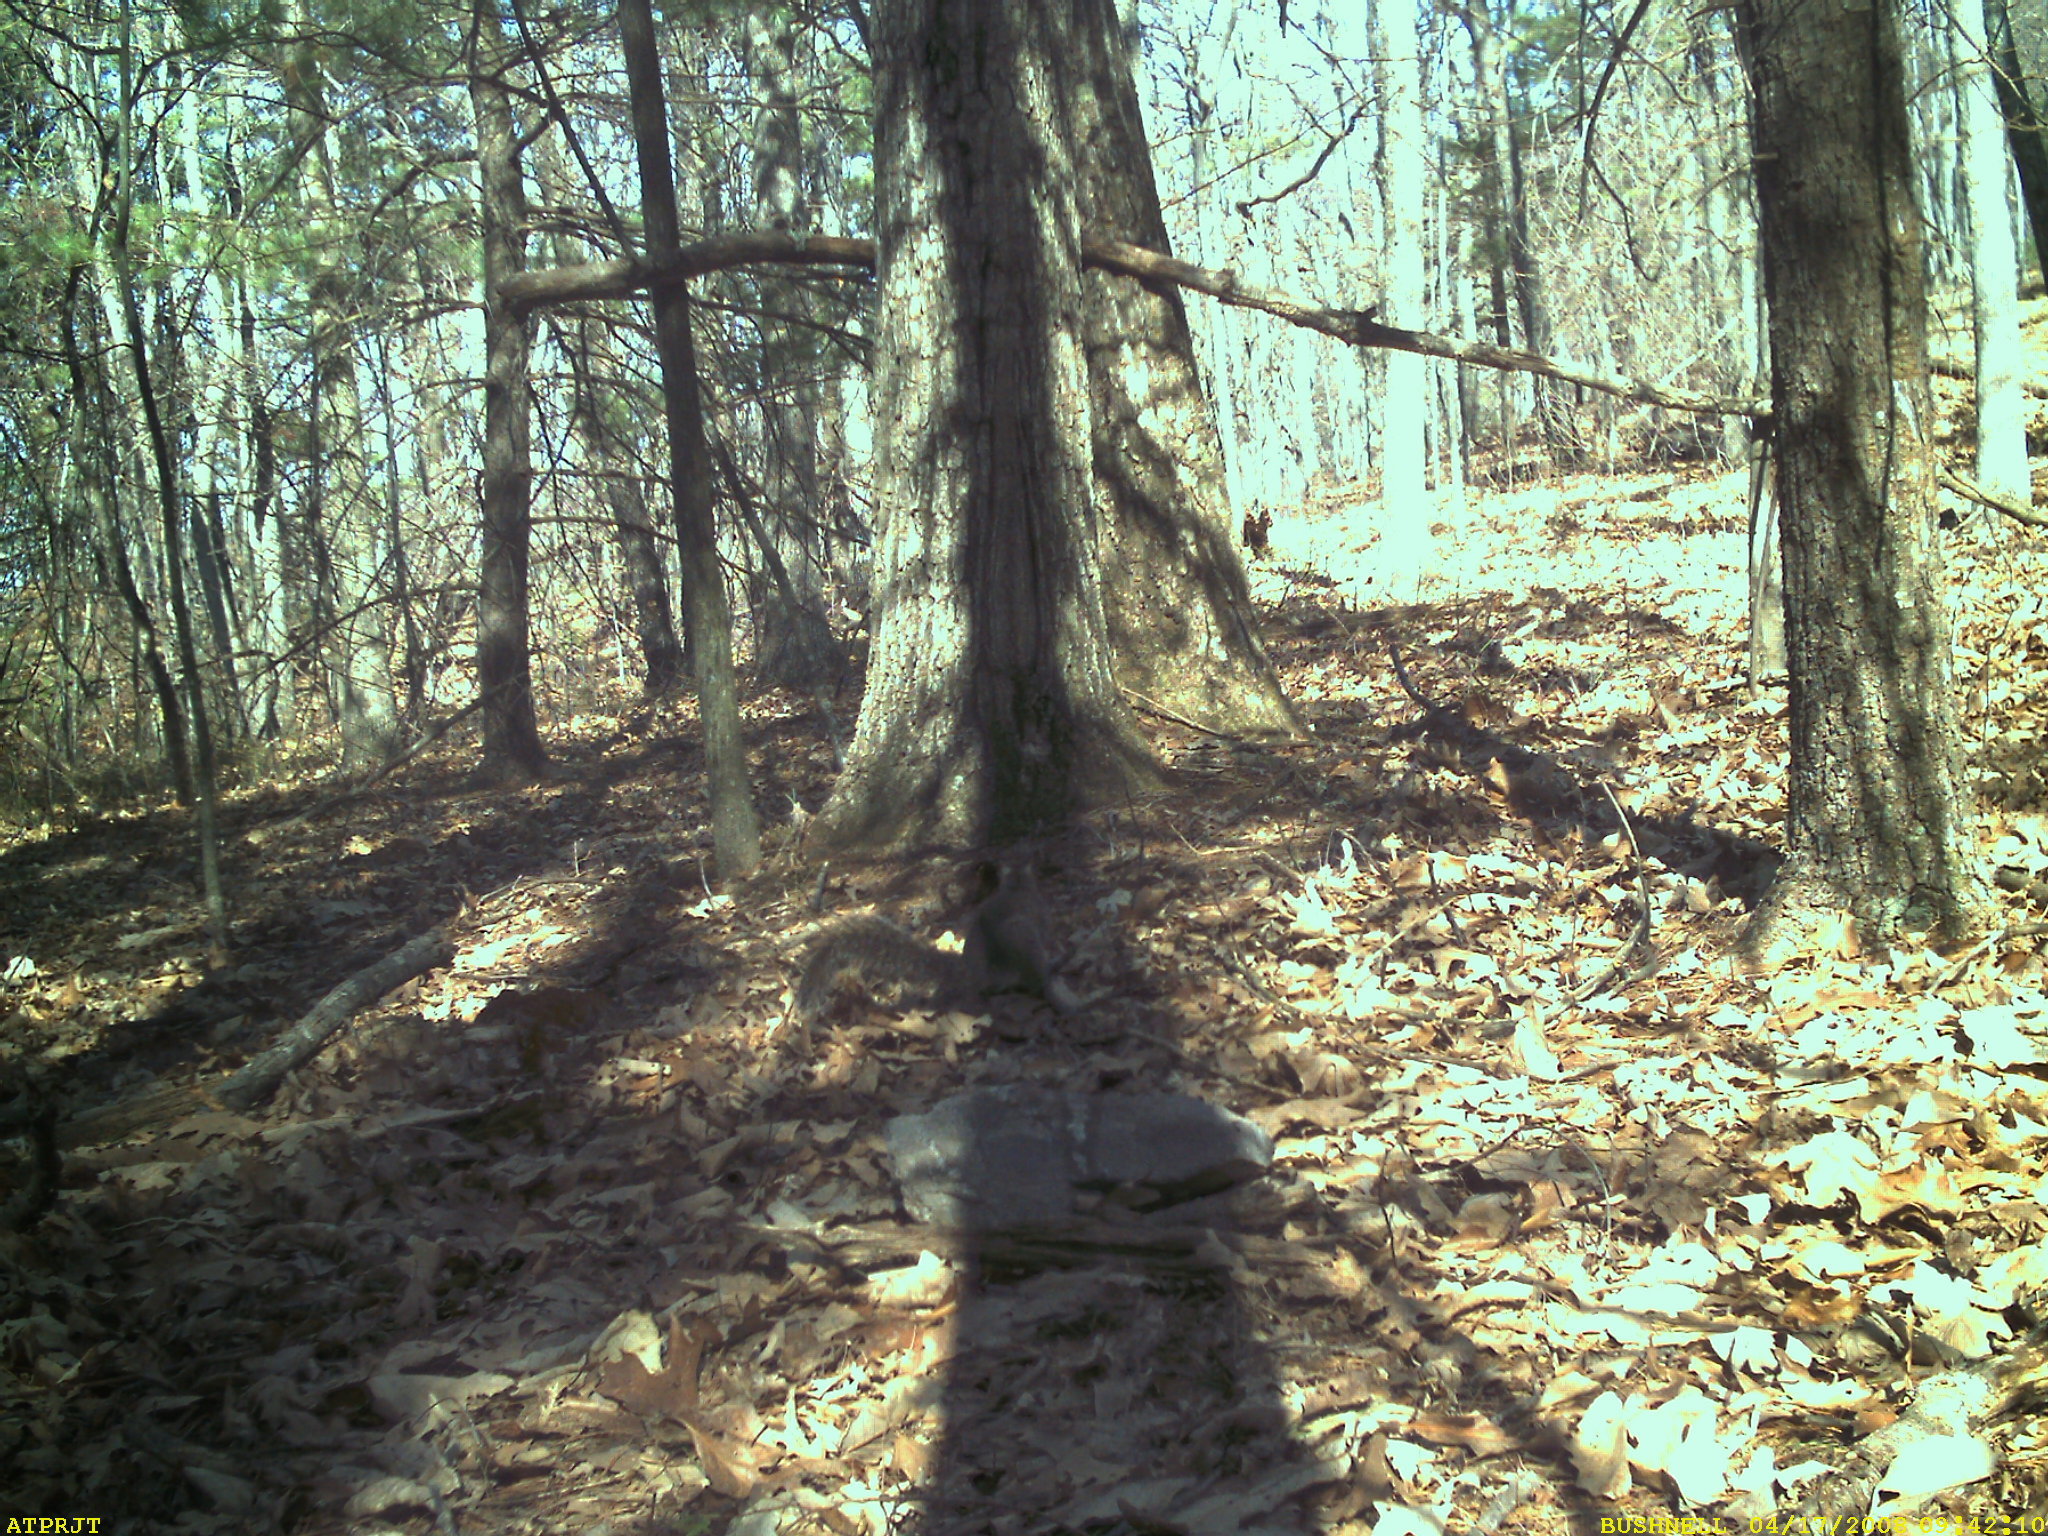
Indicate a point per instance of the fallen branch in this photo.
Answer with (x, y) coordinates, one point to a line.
(1358, 328)
(1970, 490)
(256, 1080)
(1948, 1424)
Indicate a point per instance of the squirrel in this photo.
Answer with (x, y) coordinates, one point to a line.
(1003, 951)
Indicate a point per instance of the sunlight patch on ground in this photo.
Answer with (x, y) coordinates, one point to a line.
(1677, 539)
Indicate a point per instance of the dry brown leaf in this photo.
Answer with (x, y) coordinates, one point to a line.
(1929, 1186)
(913, 1458)
(1468, 1431)
(730, 1469)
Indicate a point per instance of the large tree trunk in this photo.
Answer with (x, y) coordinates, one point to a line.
(1173, 587)
(1873, 825)
(512, 750)
(707, 621)
(991, 711)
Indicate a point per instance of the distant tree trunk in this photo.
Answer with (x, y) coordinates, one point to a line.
(1553, 410)
(209, 394)
(391, 372)
(1405, 512)
(793, 644)
(1874, 821)
(606, 425)
(1173, 586)
(661, 654)
(512, 750)
(1994, 266)
(207, 777)
(1929, 57)
(1724, 271)
(99, 474)
(991, 710)
(260, 529)
(1767, 660)
(2023, 126)
(343, 522)
(735, 830)
(1447, 404)
(1207, 58)
(1507, 237)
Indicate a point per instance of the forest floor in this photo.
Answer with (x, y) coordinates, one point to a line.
(579, 1233)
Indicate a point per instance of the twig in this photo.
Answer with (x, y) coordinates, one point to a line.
(1162, 711)
(1963, 961)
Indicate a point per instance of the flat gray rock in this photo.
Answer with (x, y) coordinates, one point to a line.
(998, 1158)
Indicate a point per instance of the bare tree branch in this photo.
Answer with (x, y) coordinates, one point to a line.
(1355, 327)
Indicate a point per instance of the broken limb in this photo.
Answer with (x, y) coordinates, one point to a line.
(625, 275)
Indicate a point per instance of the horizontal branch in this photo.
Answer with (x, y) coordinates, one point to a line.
(1970, 490)
(628, 275)
(1355, 327)
(1358, 328)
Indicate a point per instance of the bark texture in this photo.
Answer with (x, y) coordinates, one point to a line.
(991, 710)
(707, 618)
(1174, 588)
(1873, 825)
(512, 749)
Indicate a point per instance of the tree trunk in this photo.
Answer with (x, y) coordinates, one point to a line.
(793, 644)
(392, 371)
(207, 778)
(606, 425)
(99, 476)
(342, 513)
(1553, 411)
(1928, 57)
(1505, 238)
(1405, 510)
(991, 711)
(2023, 126)
(1874, 824)
(512, 750)
(661, 654)
(1994, 267)
(735, 831)
(1173, 586)
(266, 588)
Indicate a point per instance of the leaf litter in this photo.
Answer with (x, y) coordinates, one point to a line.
(581, 1232)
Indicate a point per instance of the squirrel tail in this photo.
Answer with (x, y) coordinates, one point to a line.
(882, 959)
